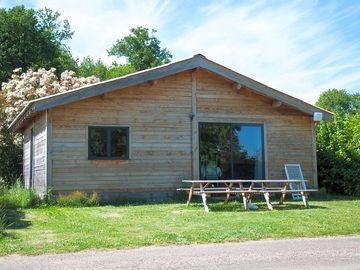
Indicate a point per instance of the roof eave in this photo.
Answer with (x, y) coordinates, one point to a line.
(16, 123)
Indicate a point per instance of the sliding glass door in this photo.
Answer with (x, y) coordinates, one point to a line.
(247, 151)
(231, 151)
(215, 152)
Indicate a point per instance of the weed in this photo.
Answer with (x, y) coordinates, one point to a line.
(78, 199)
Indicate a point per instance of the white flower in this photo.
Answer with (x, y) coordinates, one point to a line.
(25, 86)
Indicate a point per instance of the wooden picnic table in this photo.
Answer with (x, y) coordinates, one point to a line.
(205, 188)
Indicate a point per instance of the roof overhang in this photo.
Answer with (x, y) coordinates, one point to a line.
(197, 61)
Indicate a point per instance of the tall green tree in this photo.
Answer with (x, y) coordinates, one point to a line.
(338, 142)
(141, 49)
(117, 70)
(339, 101)
(89, 67)
(35, 39)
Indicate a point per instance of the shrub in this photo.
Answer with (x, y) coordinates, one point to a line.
(78, 199)
(338, 143)
(93, 199)
(2, 222)
(339, 154)
(10, 155)
(18, 197)
(49, 198)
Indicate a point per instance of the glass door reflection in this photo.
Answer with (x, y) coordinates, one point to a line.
(231, 151)
(214, 151)
(247, 152)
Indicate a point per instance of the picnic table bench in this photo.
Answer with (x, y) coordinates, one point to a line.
(246, 188)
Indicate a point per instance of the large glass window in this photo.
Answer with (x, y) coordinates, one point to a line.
(231, 151)
(108, 143)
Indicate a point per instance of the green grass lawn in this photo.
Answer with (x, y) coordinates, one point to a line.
(62, 229)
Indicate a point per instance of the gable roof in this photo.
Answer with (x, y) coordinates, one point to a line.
(197, 61)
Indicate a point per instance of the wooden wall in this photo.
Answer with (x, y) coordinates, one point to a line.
(26, 155)
(288, 132)
(39, 182)
(158, 116)
(160, 139)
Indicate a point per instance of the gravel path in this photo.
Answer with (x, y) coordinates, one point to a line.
(303, 253)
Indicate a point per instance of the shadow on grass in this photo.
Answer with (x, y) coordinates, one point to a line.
(257, 199)
(14, 219)
(262, 207)
(216, 205)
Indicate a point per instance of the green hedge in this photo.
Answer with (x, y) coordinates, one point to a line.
(338, 143)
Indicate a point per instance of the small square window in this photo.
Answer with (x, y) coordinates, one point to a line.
(108, 142)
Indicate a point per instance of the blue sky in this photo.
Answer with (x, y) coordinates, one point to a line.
(299, 47)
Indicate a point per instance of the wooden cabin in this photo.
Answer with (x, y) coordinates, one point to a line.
(141, 134)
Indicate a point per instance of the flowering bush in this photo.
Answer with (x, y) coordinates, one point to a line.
(15, 94)
(29, 85)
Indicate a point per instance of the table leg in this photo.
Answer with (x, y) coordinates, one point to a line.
(245, 201)
(190, 194)
(266, 196)
(228, 194)
(283, 195)
(267, 199)
(304, 199)
(243, 195)
(203, 196)
(247, 196)
(206, 208)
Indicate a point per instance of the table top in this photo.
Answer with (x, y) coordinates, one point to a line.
(245, 181)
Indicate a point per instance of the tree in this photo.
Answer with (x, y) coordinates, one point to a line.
(116, 70)
(338, 143)
(339, 101)
(35, 39)
(89, 67)
(10, 157)
(141, 49)
(99, 69)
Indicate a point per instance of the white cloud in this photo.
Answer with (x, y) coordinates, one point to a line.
(301, 48)
(98, 24)
(290, 47)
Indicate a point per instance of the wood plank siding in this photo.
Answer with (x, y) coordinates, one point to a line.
(161, 143)
(36, 176)
(26, 155)
(288, 132)
(158, 117)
